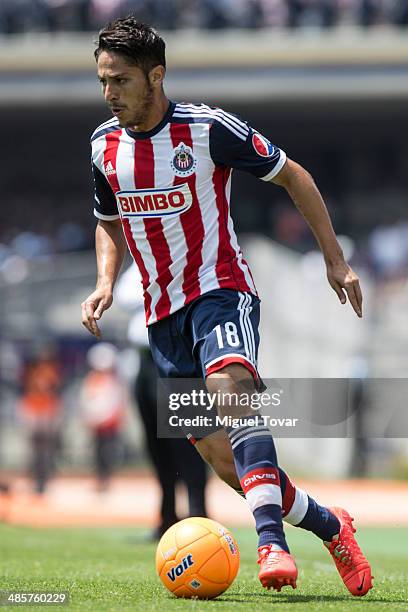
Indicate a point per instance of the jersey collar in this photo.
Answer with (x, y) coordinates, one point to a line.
(157, 128)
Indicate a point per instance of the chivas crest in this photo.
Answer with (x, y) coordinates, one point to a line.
(183, 162)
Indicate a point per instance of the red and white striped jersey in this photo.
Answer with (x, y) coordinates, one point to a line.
(171, 189)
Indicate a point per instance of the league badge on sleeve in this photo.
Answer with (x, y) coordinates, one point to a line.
(183, 162)
(262, 146)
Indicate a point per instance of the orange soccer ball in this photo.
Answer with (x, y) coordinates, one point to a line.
(197, 557)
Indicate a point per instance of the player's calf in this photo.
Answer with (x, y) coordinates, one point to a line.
(254, 457)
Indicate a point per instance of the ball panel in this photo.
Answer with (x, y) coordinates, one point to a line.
(212, 526)
(208, 590)
(183, 591)
(202, 549)
(216, 568)
(188, 532)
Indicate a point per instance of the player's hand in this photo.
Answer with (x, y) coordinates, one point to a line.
(345, 283)
(93, 308)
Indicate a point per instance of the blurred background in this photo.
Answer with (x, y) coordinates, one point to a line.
(326, 80)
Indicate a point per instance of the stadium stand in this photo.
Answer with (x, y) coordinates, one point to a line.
(87, 15)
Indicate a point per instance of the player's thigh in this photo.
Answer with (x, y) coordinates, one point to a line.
(233, 385)
(225, 330)
(171, 349)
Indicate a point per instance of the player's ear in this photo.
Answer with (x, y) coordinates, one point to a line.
(156, 76)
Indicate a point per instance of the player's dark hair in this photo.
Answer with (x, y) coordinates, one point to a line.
(138, 42)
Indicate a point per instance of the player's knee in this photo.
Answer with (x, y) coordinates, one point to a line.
(232, 375)
(229, 383)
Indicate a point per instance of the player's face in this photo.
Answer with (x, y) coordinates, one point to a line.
(126, 89)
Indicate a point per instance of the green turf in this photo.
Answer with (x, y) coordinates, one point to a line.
(113, 569)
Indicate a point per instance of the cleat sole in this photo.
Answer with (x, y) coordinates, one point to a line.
(278, 583)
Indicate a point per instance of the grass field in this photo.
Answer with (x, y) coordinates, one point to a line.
(113, 569)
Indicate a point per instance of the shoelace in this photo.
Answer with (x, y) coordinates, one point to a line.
(269, 557)
(341, 552)
(346, 550)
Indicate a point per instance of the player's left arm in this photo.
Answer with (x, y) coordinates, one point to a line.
(233, 143)
(303, 191)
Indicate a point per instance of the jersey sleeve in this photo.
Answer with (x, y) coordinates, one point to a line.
(105, 206)
(235, 144)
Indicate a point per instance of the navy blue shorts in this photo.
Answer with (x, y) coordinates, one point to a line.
(218, 328)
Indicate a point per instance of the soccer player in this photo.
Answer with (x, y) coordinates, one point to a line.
(162, 175)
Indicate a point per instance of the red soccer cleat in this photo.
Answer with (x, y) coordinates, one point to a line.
(278, 568)
(351, 564)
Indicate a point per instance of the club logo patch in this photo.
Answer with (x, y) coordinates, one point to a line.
(262, 146)
(183, 163)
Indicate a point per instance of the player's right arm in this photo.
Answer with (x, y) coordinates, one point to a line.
(110, 246)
